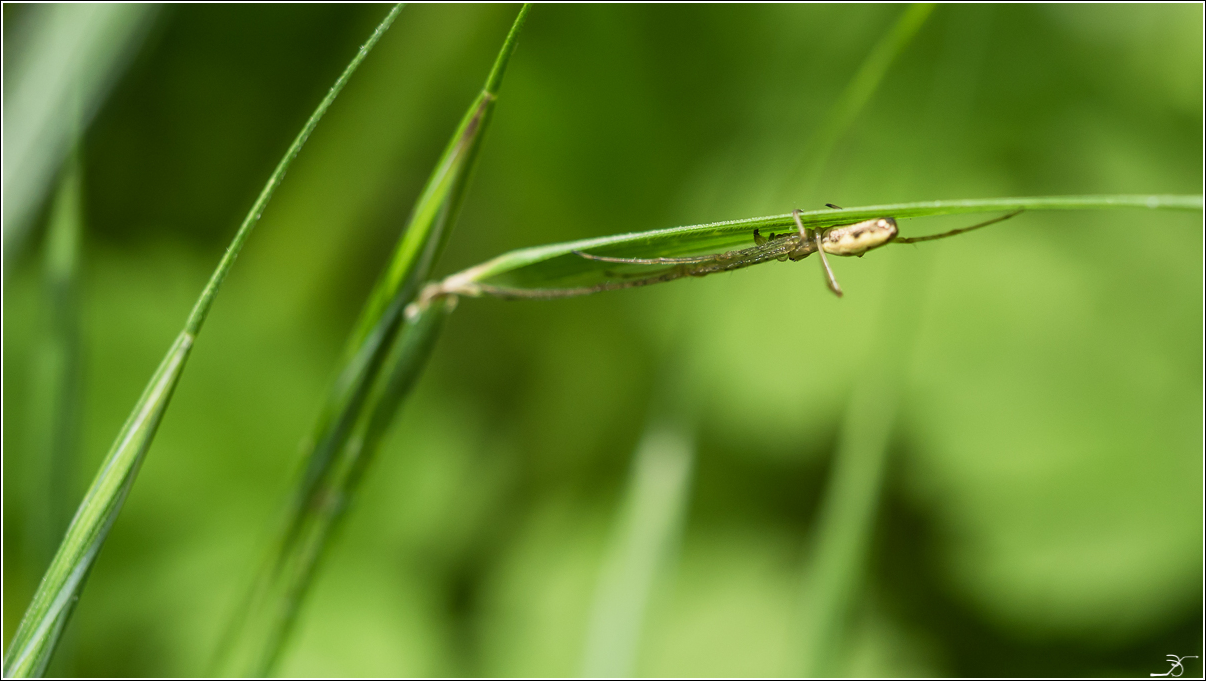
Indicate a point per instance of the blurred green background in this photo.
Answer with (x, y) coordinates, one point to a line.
(1042, 510)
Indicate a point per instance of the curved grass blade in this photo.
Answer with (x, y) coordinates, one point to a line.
(55, 398)
(385, 354)
(835, 566)
(556, 265)
(855, 97)
(644, 544)
(44, 620)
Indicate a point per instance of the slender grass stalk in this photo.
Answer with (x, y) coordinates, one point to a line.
(815, 155)
(385, 354)
(57, 389)
(51, 608)
(645, 541)
(836, 562)
(555, 264)
(834, 568)
(55, 399)
(66, 58)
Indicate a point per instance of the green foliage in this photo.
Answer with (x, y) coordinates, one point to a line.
(1041, 498)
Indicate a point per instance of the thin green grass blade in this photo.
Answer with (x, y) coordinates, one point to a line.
(835, 565)
(197, 318)
(836, 562)
(858, 92)
(56, 396)
(385, 354)
(645, 541)
(556, 265)
(47, 615)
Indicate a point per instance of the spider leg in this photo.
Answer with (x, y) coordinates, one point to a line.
(652, 261)
(829, 278)
(639, 275)
(816, 236)
(953, 232)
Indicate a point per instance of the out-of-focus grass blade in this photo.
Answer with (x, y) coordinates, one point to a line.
(63, 367)
(815, 155)
(385, 354)
(63, 59)
(55, 394)
(836, 561)
(56, 397)
(556, 265)
(43, 623)
(645, 539)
